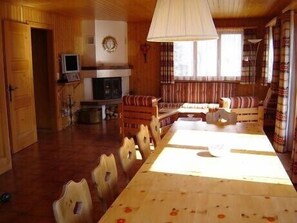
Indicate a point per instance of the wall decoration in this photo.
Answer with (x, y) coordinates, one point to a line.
(144, 49)
(109, 44)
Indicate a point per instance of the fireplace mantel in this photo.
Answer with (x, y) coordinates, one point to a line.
(104, 71)
(107, 67)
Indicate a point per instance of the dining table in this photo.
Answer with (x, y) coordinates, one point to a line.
(182, 181)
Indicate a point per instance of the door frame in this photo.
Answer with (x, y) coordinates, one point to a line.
(51, 70)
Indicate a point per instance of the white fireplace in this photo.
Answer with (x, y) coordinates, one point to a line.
(96, 61)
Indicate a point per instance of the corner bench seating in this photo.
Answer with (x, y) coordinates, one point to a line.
(195, 110)
(137, 109)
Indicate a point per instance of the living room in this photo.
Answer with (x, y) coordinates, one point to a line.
(67, 35)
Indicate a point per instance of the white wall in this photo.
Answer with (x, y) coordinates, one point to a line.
(118, 30)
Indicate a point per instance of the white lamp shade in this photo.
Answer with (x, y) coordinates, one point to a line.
(181, 20)
(254, 41)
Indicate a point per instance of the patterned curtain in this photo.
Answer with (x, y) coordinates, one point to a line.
(264, 77)
(294, 163)
(246, 70)
(270, 110)
(280, 133)
(167, 66)
(294, 153)
(276, 58)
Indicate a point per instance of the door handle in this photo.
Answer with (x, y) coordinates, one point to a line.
(11, 89)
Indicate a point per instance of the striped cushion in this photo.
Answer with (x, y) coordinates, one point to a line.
(187, 105)
(239, 102)
(195, 105)
(140, 100)
(169, 105)
(197, 92)
(165, 121)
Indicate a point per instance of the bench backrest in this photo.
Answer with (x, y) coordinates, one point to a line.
(134, 111)
(247, 108)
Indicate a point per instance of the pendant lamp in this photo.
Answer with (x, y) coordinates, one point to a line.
(181, 20)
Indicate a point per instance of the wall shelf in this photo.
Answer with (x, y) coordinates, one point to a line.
(63, 84)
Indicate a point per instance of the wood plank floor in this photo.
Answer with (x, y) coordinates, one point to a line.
(40, 170)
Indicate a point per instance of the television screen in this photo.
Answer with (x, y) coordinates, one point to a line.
(70, 63)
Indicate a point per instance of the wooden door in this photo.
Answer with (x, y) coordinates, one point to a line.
(5, 157)
(18, 59)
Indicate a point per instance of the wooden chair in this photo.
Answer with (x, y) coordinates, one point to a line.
(250, 114)
(155, 131)
(105, 177)
(75, 203)
(143, 141)
(247, 108)
(221, 117)
(127, 155)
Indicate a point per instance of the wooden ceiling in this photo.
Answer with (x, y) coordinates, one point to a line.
(142, 10)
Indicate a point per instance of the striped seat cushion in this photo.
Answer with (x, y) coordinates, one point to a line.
(187, 105)
(140, 100)
(169, 105)
(239, 102)
(196, 92)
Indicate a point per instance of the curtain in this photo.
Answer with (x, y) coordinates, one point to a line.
(276, 58)
(294, 152)
(270, 108)
(167, 66)
(294, 156)
(246, 70)
(264, 77)
(281, 124)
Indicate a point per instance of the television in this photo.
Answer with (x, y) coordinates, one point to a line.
(70, 63)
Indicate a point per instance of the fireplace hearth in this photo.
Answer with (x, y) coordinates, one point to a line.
(107, 88)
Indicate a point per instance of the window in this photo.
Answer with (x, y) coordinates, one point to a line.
(210, 59)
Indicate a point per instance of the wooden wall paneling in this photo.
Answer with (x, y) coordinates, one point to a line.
(145, 78)
(66, 36)
(12, 12)
(136, 10)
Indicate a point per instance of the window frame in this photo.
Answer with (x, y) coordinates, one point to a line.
(218, 77)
